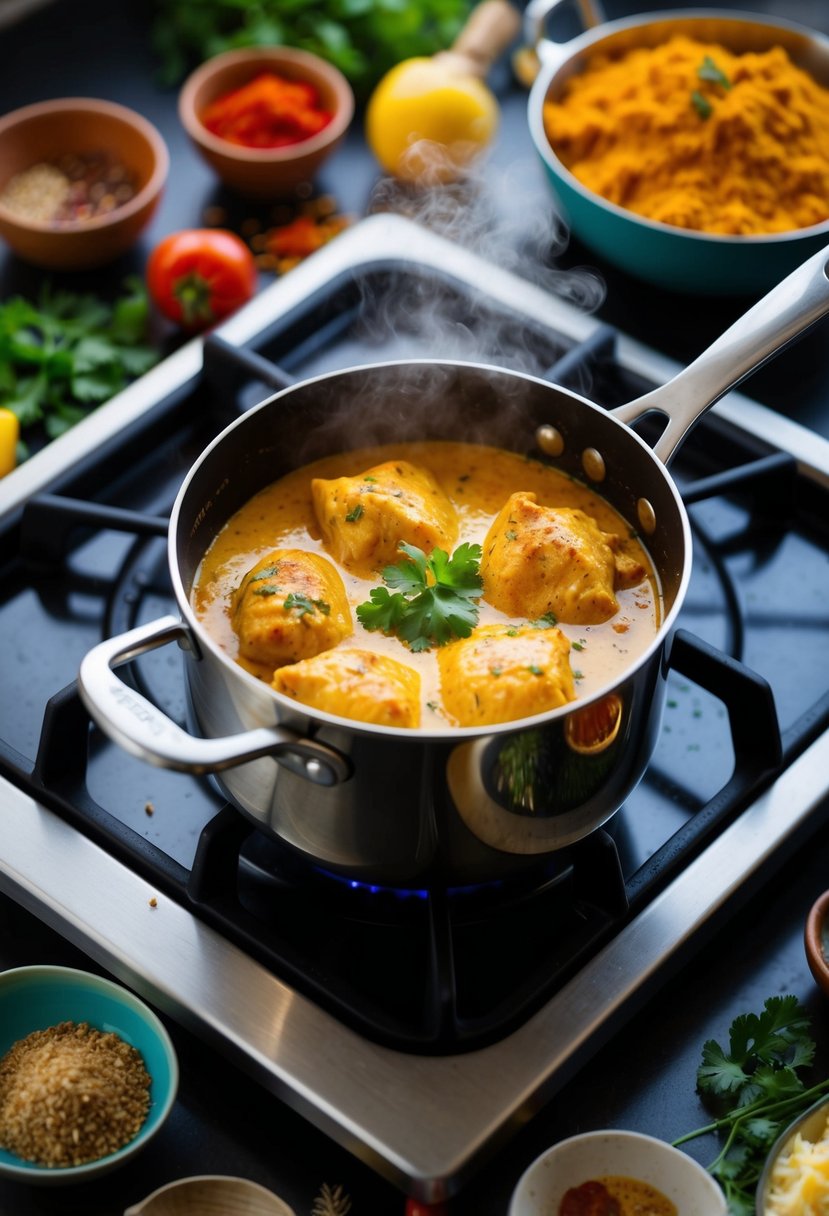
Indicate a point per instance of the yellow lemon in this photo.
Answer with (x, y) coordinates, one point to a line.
(425, 122)
(9, 435)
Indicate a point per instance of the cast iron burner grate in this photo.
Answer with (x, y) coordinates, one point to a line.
(434, 969)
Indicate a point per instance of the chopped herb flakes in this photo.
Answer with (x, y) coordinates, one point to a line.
(701, 104)
(355, 514)
(303, 605)
(708, 70)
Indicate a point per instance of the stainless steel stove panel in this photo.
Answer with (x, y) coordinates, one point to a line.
(454, 1109)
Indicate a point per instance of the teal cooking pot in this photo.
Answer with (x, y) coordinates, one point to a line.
(670, 257)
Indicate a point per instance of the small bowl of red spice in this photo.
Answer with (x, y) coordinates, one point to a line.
(616, 1173)
(80, 178)
(88, 1075)
(266, 118)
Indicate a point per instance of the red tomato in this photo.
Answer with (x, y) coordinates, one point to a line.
(198, 276)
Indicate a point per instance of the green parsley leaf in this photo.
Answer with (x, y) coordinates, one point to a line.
(708, 70)
(755, 1091)
(434, 600)
(701, 104)
(304, 606)
(69, 352)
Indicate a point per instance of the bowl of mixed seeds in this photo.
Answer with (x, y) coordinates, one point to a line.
(88, 1074)
(80, 178)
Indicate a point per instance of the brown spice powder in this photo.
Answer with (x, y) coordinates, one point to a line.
(71, 1094)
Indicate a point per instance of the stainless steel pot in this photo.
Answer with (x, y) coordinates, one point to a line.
(372, 801)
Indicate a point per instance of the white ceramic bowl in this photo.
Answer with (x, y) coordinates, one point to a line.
(602, 1154)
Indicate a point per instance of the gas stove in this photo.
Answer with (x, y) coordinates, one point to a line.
(477, 1004)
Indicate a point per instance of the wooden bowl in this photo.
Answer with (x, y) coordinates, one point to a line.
(45, 132)
(211, 1195)
(265, 172)
(816, 940)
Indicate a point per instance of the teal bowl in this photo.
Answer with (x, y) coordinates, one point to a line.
(35, 998)
(669, 257)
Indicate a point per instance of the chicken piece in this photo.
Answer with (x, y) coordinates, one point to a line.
(539, 560)
(290, 606)
(500, 673)
(363, 519)
(355, 684)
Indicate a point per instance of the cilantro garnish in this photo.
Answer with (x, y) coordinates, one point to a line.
(354, 514)
(302, 604)
(754, 1091)
(708, 70)
(701, 104)
(68, 353)
(434, 598)
(268, 572)
(548, 621)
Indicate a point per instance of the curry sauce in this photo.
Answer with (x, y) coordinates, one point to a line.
(477, 483)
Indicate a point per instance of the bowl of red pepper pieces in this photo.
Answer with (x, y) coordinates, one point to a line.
(265, 118)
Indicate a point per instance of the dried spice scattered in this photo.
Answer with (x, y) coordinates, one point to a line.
(269, 111)
(290, 233)
(71, 1094)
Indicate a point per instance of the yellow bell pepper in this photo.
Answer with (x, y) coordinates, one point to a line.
(9, 435)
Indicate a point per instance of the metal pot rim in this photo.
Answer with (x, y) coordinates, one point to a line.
(290, 710)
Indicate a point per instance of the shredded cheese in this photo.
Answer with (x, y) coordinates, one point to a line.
(800, 1178)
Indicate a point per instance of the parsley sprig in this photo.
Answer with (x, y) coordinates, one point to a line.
(754, 1090)
(434, 598)
(68, 353)
(710, 72)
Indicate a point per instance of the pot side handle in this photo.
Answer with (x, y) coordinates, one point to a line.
(536, 15)
(141, 729)
(780, 317)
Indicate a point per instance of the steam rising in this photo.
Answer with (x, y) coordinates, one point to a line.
(481, 215)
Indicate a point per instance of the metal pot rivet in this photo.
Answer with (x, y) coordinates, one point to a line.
(593, 464)
(550, 440)
(647, 516)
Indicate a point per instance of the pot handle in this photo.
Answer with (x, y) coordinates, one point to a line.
(780, 317)
(535, 22)
(141, 729)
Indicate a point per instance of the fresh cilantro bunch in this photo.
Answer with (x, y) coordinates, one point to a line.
(363, 38)
(68, 353)
(755, 1091)
(434, 598)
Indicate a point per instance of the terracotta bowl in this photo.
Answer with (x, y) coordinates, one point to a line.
(265, 172)
(45, 132)
(816, 940)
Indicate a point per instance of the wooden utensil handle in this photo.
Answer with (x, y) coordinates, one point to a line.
(489, 30)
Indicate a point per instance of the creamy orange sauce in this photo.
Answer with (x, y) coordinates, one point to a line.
(477, 480)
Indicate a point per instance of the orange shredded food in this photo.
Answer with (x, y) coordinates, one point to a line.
(691, 134)
(267, 112)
